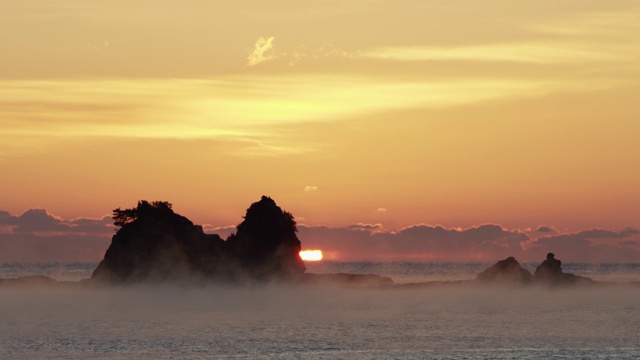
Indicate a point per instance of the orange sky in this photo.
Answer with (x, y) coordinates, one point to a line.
(457, 113)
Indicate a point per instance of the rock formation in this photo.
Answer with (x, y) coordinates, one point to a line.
(266, 243)
(508, 270)
(549, 272)
(155, 244)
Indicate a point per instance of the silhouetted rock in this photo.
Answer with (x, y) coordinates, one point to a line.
(156, 244)
(550, 269)
(549, 272)
(266, 245)
(508, 270)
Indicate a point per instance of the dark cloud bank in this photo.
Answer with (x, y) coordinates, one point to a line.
(480, 243)
(38, 236)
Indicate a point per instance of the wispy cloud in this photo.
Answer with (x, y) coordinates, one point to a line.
(326, 51)
(245, 109)
(580, 37)
(230, 107)
(310, 188)
(535, 52)
(262, 51)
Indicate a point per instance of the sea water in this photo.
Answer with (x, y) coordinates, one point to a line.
(400, 271)
(317, 322)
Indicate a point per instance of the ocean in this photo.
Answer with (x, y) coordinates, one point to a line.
(400, 271)
(323, 322)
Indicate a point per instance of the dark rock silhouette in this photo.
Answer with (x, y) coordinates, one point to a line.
(549, 272)
(155, 244)
(266, 244)
(508, 270)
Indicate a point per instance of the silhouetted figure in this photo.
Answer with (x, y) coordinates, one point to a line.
(550, 269)
(508, 270)
(550, 273)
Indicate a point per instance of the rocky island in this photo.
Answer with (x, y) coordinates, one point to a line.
(154, 244)
(549, 272)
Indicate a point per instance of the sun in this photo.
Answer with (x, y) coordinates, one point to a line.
(311, 255)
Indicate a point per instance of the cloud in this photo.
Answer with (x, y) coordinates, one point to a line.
(365, 227)
(235, 108)
(6, 222)
(480, 243)
(418, 242)
(102, 225)
(310, 188)
(546, 229)
(590, 246)
(535, 53)
(326, 51)
(6, 218)
(37, 221)
(262, 51)
(381, 209)
(222, 231)
(39, 236)
(580, 38)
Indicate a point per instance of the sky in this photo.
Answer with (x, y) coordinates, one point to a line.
(388, 128)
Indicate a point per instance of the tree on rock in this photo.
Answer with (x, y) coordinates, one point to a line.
(155, 244)
(123, 217)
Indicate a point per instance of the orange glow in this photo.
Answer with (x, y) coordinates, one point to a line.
(516, 115)
(311, 255)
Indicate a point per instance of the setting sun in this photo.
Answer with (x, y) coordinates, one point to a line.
(311, 255)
